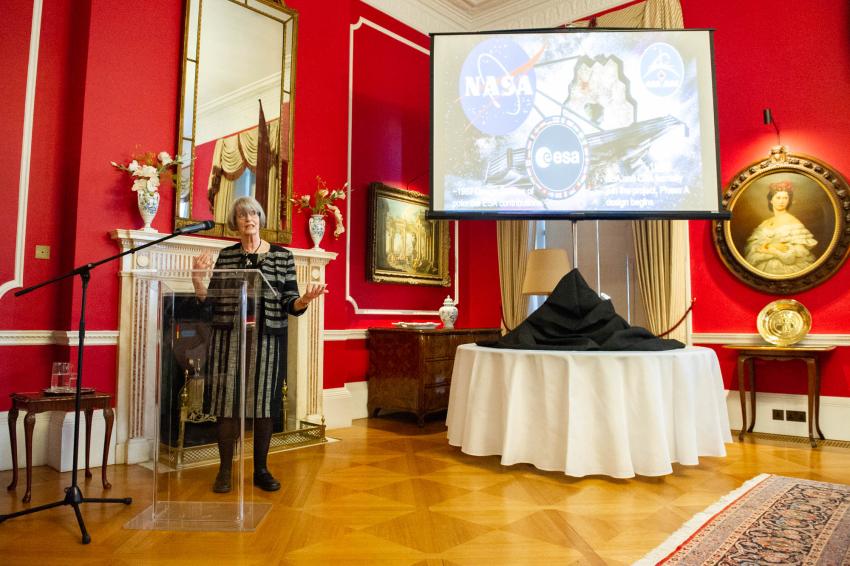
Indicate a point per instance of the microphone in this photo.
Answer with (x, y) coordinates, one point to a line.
(192, 228)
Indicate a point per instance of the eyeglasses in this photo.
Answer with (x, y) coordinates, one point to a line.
(246, 213)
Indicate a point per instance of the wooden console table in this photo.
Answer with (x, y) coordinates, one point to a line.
(34, 403)
(747, 355)
(411, 370)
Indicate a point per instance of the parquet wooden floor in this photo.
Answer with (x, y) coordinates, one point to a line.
(390, 493)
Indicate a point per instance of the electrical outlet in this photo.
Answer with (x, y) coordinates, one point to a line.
(778, 415)
(796, 416)
(42, 252)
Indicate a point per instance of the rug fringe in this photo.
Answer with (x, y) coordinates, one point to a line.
(696, 522)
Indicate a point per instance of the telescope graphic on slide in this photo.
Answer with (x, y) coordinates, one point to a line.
(613, 154)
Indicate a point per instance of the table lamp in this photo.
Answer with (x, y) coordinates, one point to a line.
(544, 268)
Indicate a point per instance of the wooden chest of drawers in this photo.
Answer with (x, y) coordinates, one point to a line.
(411, 370)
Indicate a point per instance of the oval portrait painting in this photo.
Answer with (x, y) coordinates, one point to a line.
(787, 231)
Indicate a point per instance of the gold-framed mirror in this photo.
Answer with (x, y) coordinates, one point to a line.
(236, 112)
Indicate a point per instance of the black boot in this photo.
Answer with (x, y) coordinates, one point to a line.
(265, 480)
(262, 440)
(228, 432)
(222, 482)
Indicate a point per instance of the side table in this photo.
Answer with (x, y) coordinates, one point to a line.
(411, 369)
(34, 403)
(747, 355)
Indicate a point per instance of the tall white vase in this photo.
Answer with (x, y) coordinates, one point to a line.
(148, 202)
(317, 229)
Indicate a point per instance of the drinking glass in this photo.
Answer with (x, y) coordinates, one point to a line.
(71, 380)
(58, 373)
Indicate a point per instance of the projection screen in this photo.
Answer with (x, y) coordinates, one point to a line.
(574, 124)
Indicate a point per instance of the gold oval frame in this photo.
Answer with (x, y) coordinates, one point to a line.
(826, 215)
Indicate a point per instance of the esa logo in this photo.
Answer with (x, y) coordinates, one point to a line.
(662, 69)
(497, 86)
(545, 157)
(557, 161)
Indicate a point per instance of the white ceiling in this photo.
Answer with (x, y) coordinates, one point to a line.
(431, 16)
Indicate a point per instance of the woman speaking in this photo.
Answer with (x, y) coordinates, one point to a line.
(265, 359)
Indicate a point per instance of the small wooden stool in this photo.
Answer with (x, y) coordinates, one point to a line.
(34, 403)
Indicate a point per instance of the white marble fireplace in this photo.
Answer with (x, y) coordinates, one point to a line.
(135, 422)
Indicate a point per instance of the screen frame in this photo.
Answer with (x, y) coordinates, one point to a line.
(719, 214)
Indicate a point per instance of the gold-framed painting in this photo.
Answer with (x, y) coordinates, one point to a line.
(790, 225)
(405, 247)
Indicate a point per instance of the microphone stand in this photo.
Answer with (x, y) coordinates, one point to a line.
(73, 496)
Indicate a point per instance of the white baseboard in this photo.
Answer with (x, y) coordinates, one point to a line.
(39, 441)
(834, 414)
(134, 451)
(344, 404)
(60, 440)
(53, 441)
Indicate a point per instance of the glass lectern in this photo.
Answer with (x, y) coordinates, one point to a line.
(204, 348)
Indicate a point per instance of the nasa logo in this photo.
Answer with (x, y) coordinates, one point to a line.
(558, 158)
(662, 69)
(497, 86)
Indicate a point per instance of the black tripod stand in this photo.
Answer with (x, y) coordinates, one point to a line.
(73, 496)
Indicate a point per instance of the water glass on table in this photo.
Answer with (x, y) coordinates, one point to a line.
(70, 381)
(58, 373)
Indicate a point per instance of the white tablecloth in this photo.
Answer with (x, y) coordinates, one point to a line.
(612, 413)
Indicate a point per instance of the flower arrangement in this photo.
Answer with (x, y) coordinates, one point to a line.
(322, 201)
(148, 168)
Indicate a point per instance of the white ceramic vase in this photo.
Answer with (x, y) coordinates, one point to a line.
(448, 313)
(148, 202)
(317, 229)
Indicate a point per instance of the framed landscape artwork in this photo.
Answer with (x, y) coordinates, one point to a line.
(405, 247)
(789, 229)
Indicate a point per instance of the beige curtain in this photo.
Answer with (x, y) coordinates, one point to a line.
(514, 239)
(230, 158)
(661, 246)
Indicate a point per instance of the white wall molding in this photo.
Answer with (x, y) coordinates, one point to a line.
(753, 339)
(428, 16)
(348, 296)
(26, 154)
(57, 337)
(342, 335)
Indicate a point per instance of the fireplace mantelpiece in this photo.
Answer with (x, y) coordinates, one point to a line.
(135, 398)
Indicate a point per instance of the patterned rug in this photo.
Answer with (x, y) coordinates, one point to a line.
(768, 520)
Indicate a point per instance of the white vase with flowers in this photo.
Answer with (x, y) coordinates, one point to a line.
(320, 203)
(147, 169)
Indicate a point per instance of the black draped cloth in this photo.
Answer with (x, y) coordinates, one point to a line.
(574, 317)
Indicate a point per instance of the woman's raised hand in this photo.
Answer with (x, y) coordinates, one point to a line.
(313, 291)
(201, 266)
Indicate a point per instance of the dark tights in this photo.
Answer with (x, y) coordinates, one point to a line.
(228, 432)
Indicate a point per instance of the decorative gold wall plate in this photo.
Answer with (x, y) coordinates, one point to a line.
(784, 322)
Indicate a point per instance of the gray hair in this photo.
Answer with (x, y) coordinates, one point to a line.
(245, 204)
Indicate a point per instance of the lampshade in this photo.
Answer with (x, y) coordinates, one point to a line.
(543, 271)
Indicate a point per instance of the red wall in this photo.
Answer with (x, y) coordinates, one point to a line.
(794, 59)
(97, 103)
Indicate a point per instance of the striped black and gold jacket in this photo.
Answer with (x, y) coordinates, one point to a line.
(278, 268)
